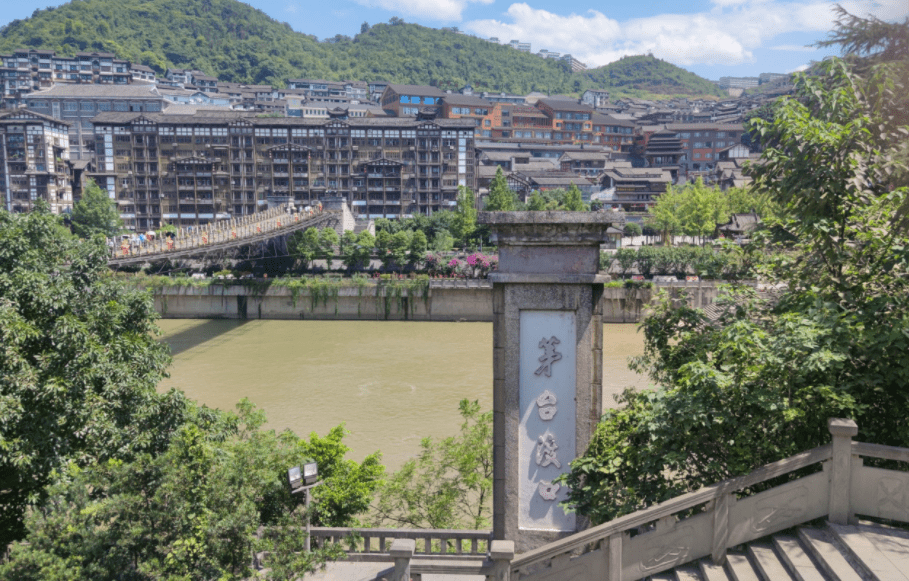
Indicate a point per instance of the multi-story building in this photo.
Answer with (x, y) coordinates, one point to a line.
(192, 169)
(612, 133)
(571, 121)
(34, 161)
(595, 98)
(318, 88)
(572, 63)
(78, 104)
(459, 106)
(739, 82)
(702, 142)
(521, 46)
(635, 189)
(29, 70)
(409, 100)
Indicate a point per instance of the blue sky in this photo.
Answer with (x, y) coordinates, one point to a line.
(712, 38)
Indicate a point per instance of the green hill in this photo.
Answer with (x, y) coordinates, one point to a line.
(236, 42)
(650, 75)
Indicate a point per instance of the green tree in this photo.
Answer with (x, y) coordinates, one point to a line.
(95, 213)
(573, 201)
(666, 214)
(79, 363)
(449, 485)
(442, 241)
(306, 245)
(758, 384)
(328, 239)
(632, 229)
(465, 216)
(418, 247)
(501, 198)
(537, 203)
(195, 510)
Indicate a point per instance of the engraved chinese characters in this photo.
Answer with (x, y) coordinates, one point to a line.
(546, 408)
(546, 405)
(546, 451)
(548, 490)
(548, 355)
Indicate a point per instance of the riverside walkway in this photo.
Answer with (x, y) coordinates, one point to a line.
(220, 236)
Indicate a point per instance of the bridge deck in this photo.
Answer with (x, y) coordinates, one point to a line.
(221, 236)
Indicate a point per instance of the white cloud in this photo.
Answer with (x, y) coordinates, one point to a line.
(292, 8)
(799, 69)
(444, 10)
(728, 34)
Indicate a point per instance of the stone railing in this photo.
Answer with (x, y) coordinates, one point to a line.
(220, 232)
(459, 283)
(416, 552)
(708, 521)
(439, 542)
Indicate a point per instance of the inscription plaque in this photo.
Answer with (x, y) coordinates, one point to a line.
(546, 438)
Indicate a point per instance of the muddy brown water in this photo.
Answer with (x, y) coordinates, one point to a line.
(391, 383)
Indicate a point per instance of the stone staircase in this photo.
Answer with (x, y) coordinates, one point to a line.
(862, 552)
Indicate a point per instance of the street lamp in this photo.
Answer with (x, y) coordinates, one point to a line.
(302, 480)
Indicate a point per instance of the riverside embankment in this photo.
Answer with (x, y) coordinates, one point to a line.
(412, 300)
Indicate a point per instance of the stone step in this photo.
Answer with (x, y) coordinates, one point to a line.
(740, 567)
(768, 563)
(712, 572)
(687, 573)
(893, 543)
(797, 561)
(861, 546)
(833, 563)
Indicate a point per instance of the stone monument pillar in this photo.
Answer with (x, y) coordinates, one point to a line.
(547, 363)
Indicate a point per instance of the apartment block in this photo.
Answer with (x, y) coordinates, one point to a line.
(29, 70)
(78, 104)
(192, 169)
(703, 142)
(410, 100)
(34, 162)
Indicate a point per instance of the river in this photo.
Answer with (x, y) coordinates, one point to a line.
(391, 383)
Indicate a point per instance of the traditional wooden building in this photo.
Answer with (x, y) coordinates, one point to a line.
(192, 169)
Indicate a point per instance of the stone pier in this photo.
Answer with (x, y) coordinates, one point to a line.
(547, 365)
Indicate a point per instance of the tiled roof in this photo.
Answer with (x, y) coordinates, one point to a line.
(458, 99)
(80, 91)
(420, 90)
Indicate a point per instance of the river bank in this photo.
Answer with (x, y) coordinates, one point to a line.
(396, 300)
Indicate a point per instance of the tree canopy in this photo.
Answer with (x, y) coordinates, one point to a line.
(107, 479)
(758, 384)
(95, 213)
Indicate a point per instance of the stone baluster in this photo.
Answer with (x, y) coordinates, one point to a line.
(402, 551)
(614, 560)
(721, 505)
(501, 552)
(840, 507)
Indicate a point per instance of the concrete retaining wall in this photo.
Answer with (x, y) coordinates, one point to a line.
(445, 302)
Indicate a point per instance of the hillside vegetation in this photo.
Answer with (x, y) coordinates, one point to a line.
(236, 42)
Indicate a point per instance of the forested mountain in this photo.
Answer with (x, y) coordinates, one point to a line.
(236, 42)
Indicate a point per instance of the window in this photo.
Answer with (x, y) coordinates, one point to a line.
(87, 106)
(120, 106)
(70, 106)
(103, 106)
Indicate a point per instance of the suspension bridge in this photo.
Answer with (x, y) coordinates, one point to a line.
(218, 238)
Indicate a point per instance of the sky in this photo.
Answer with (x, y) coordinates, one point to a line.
(712, 38)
